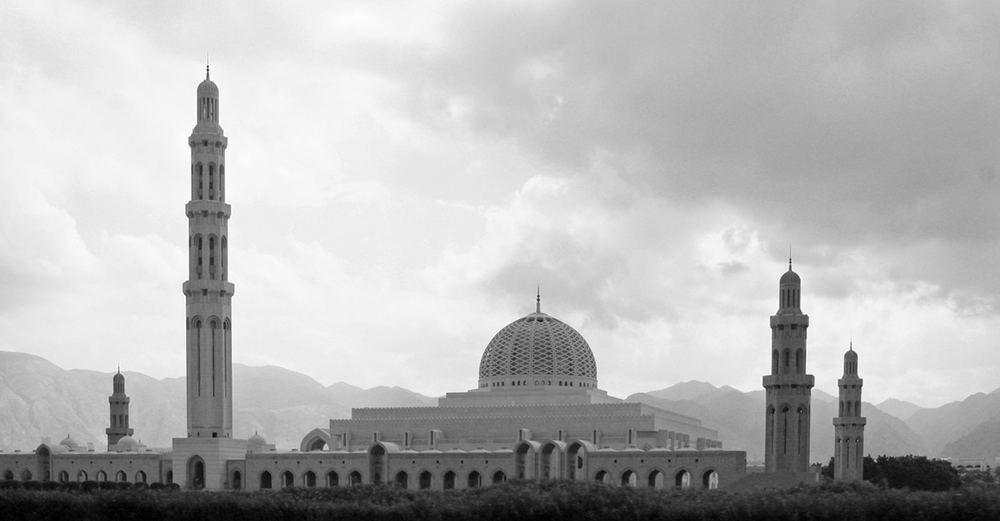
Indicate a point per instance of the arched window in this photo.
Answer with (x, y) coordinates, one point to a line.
(201, 182)
(628, 479)
(655, 479)
(200, 246)
(211, 257)
(170, 476)
(682, 479)
(236, 482)
(449, 480)
(354, 478)
(63, 476)
(26, 475)
(225, 257)
(287, 479)
(140, 477)
(121, 477)
(8, 474)
(402, 479)
(602, 476)
(222, 182)
(786, 355)
(499, 477)
(211, 181)
(475, 479)
(101, 476)
(309, 479)
(710, 480)
(265, 480)
(425, 480)
(332, 479)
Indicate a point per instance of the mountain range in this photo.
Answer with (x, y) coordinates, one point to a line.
(39, 399)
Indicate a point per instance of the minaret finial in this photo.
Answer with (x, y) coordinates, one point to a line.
(206, 66)
(119, 368)
(789, 258)
(538, 298)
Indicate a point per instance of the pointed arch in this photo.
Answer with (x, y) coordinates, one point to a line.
(265, 480)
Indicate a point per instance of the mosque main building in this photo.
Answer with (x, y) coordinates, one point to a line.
(537, 412)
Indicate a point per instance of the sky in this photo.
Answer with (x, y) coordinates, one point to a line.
(403, 175)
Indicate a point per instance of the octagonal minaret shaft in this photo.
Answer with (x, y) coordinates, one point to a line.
(788, 387)
(208, 291)
(849, 425)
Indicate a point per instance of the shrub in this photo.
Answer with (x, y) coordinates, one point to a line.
(31, 485)
(88, 486)
(51, 485)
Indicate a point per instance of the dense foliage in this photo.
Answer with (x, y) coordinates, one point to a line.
(912, 472)
(551, 501)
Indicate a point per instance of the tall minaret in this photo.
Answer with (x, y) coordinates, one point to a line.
(849, 425)
(789, 388)
(118, 428)
(207, 291)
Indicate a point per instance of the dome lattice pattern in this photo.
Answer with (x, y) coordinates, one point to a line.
(538, 345)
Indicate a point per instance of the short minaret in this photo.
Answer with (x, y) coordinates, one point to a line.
(208, 291)
(118, 428)
(849, 425)
(788, 387)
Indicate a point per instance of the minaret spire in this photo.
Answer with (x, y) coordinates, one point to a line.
(538, 299)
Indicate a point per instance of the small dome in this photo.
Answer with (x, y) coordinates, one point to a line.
(256, 441)
(69, 442)
(208, 88)
(128, 443)
(790, 277)
(538, 350)
(851, 355)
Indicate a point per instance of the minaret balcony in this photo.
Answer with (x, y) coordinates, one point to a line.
(203, 207)
(789, 380)
(215, 287)
(850, 421)
(790, 318)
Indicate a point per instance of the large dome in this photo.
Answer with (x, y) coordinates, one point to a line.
(537, 351)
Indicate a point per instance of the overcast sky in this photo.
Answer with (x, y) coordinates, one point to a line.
(402, 175)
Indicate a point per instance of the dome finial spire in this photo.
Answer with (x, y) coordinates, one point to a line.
(207, 62)
(789, 258)
(538, 298)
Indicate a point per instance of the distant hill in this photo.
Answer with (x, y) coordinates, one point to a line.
(39, 399)
(739, 418)
(899, 408)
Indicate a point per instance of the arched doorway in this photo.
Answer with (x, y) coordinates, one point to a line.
(425, 480)
(550, 461)
(287, 479)
(170, 476)
(332, 479)
(602, 476)
(377, 464)
(682, 479)
(575, 461)
(237, 480)
(309, 479)
(140, 477)
(628, 479)
(402, 479)
(265, 480)
(449, 480)
(499, 477)
(121, 476)
(101, 476)
(522, 462)
(475, 479)
(354, 478)
(655, 479)
(82, 475)
(43, 463)
(196, 473)
(710, 480)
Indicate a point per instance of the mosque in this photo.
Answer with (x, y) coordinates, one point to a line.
(537, 412)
